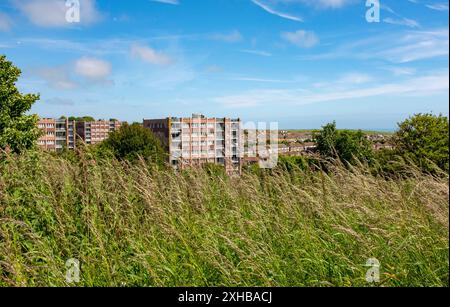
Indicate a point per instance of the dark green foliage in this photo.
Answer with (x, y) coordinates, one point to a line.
(424, 139)
(132, 142)
(82, 119)
(18, 131)
(346, 145)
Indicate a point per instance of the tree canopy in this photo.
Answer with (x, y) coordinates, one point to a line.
(133, 141)
(346, 145)
(18, 131)
(424, 139)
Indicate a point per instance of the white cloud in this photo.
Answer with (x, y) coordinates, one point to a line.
(150, 55)
(401, 71)
(52, 13)
(257, 52)
(56, 77)
(427, 85)
(418, 46)
(402, 22)
(301, 38)
(92, 68)
(5, 22)
(326, 4)
(400, 47)
(261, 80)
(233, 37)
(355, 78)
(438, 7)
(275, 6)
(268, 8)
(173, 2)
(58, 101)
(345, 81)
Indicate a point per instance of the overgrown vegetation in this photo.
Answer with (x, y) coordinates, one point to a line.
(137, 225)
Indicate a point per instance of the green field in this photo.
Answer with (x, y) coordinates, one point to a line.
(134, 225)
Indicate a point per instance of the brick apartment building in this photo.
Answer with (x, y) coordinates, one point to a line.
(63, 133)
(199, 140)
(57, 134)
(95, 132)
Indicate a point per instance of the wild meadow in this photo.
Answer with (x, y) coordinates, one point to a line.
(134, 224)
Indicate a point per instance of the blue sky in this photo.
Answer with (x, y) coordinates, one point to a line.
(302, 63)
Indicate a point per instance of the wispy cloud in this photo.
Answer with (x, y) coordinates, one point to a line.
(279, 7)
(401, 71)
(301, 38)
(261, 80)
(58, 101)
(326, 4)
(400, 47)
(56, 77)
(270, 9)
(345, 81)
(5, 22)
(399, 19)
(257, 52)
(173, 2)
(426, 85)
(418, 46)
(150, 55)
(402, 22)
(355, 78)
(233, 37)
(438, 6)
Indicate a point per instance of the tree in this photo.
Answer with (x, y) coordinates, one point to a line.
(133, 141)
(346, 145)
(18, 131)
(424, 139)
(82, 119)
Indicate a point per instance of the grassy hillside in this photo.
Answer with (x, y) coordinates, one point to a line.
(138, 226)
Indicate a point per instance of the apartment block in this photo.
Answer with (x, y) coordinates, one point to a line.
(199, 140)
(57, 134)
(95, 132)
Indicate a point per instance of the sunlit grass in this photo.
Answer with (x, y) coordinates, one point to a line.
(133, 225)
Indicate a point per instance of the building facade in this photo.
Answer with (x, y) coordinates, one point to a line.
(200, 140)
(95, 132)
(57, 134)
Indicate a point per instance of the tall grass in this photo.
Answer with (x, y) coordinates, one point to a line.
(134, 225)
